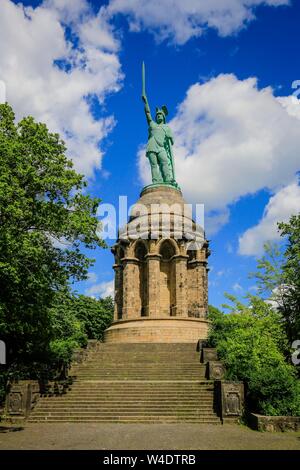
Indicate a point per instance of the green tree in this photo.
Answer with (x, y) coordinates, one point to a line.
(249, 340)
(278, 276)
(95, 314)
(291, 277)
(43, 204)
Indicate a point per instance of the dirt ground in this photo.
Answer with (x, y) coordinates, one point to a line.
(68, 436)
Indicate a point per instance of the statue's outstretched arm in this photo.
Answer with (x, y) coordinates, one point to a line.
(147, 109)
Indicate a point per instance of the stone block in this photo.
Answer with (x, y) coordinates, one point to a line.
(232, 399)
(22, 398)
(215, 370)
(273, 423)
(209, 354)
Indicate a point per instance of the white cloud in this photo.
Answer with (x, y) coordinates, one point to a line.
(58, 96)
(237, 287)
(280, 207)
(92, 277)
(253, 288)
(215, 220)
(180, 20)
(103, 289)
(232, 140)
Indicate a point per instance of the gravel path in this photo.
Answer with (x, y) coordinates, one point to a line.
(143, 437)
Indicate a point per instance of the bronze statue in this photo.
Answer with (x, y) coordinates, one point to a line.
(160, 141)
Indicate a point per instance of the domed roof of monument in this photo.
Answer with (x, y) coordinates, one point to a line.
(161, 210)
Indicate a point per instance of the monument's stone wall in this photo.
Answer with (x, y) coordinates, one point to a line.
(158, 330)
(160, 277)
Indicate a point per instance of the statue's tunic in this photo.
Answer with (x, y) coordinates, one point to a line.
(157, 137)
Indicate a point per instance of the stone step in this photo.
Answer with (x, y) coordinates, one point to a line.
(197, 373)
(134, 383)
(128, 420)
(138, 372)
(136, 377)
(120, 411)
(142, 388)
(141, 372)
(138, 395)
(174, 389)
(146, 390)
(129, 399)
(154, 412)
(139, 367)
(161, 347)
(126, 404)
(167, 382)
(138, 390)
(187, 358)
(132, 362)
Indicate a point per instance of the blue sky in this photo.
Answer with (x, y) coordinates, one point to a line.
(226, 74)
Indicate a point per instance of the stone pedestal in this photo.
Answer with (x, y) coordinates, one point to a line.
(160, 272)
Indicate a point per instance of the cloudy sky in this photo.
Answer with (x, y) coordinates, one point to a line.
(227, 69)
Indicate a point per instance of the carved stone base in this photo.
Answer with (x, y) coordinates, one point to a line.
(158, 330)
(22, 398)
(232, 397)
(215, 370)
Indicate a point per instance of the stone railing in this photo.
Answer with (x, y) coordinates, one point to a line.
(228, 396)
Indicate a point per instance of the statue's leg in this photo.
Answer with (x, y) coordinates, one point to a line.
(156, 176)
(164, 164)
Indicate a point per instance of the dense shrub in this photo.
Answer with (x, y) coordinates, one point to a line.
(95, 314)
(250, 340)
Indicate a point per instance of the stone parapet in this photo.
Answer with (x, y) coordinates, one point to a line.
(273, 423)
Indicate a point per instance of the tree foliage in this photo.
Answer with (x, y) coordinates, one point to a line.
(250, 340)
(42, 203)
(291, 276)
(278, 276)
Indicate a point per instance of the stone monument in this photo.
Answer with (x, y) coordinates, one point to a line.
(160, 256)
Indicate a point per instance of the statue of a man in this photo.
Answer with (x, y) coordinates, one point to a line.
(159, 146)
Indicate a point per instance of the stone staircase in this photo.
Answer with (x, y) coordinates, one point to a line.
(134, 383)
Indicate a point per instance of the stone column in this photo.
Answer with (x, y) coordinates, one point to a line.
(180, 309)
(199, 282)
(130, 288)
(153, 283)
(118, 292)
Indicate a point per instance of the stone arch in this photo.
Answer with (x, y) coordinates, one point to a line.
(140, 252)
(169, 241)
(167, 251)
(139, 248)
